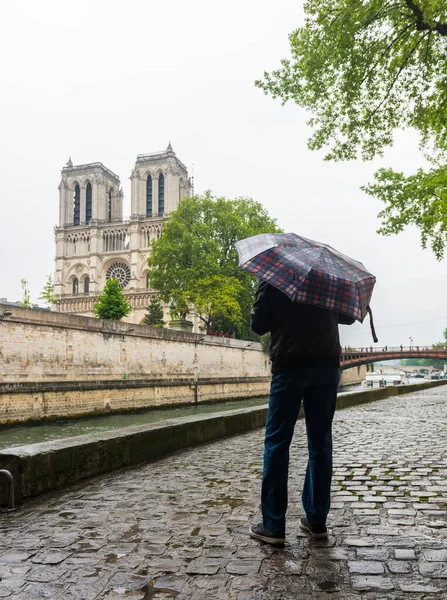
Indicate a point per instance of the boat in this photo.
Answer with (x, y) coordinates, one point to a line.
(377, 379)
(434, 376)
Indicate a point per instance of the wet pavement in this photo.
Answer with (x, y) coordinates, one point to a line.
(178, 528)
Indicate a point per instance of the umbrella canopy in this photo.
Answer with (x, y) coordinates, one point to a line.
(309, 272)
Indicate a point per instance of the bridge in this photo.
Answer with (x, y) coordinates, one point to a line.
(354, 357)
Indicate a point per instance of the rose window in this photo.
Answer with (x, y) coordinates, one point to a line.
(119, 271)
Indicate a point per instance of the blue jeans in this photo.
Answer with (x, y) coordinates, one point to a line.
(317, 388)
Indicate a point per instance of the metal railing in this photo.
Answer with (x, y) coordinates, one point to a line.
(10, 479)
(393, 349)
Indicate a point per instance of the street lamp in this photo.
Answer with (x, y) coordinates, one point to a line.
(411, 343)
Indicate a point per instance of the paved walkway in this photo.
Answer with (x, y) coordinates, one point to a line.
(177, 528)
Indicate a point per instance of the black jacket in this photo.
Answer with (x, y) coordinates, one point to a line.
(301, 335)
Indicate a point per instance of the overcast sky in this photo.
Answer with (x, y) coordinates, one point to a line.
(105, 81)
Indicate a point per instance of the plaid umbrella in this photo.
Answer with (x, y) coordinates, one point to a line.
(309, 272)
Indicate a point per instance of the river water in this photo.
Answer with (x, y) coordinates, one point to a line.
(22, 435)
(32, 434)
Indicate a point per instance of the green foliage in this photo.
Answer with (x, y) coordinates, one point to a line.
(216, 301)
(419, 199)
(442, 344)
(154, 314)
(421, 362)
(47, 294)
(112, 304)
(364, 69)
(26, 296)
(195, 262)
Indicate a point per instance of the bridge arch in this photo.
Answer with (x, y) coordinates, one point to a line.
(353, 357)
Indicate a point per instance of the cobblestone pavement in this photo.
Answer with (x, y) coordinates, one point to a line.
(178, 528)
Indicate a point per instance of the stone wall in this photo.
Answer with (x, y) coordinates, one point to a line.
(55, 365)
(24, 402)
(39, 345)
(354, 375)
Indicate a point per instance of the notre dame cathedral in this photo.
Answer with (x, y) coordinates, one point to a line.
(94, 243)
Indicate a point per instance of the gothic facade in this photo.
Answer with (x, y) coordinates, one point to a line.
(94, 243)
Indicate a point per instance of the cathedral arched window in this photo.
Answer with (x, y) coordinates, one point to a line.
(109, 206)
(161, 195)
(86, 285)
(77, 205)
(75, 285)
(148, 279)
(88, 203)
(149, 196)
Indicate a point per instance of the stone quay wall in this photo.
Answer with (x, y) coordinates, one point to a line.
(39, 345)
(48, 401)
(353, 376)
(62, 365)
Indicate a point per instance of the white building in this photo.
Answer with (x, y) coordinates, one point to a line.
(94, 243)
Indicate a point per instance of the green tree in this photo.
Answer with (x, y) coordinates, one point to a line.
(26, 296)
(428, 361)
(154, 313)
(47, 294)
(442, 344)
(216, 302)
(112, 304)
(195, 262)
(365, 69)
(422, 362)
(419, 199)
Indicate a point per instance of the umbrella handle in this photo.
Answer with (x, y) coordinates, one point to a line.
(371, 322)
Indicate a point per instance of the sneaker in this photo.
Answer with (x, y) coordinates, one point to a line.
(259, 532)
(316, 531)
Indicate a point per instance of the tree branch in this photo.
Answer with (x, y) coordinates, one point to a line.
(402, 67)
(381, 13)
(421, 24)
(401, 33)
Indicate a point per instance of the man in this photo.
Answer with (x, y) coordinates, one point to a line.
(305, 356)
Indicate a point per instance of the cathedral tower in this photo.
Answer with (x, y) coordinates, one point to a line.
(88, 193)
(159, 181)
